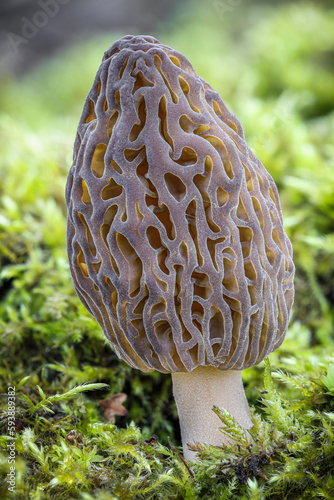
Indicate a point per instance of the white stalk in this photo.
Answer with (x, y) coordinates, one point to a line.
(196, 392)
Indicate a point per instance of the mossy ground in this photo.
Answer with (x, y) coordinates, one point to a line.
(273, 67)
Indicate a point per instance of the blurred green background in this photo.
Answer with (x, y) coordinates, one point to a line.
(272, 63)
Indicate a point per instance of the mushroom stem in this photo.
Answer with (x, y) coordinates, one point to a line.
(196, 392)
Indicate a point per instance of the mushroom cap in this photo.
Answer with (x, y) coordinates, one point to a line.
(175, 232)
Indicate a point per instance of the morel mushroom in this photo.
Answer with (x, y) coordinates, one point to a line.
(175, 233)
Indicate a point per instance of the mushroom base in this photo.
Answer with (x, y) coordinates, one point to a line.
(196, 392)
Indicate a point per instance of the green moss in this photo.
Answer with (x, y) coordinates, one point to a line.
(63, 447)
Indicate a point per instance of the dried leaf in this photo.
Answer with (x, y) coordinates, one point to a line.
(113, 406)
